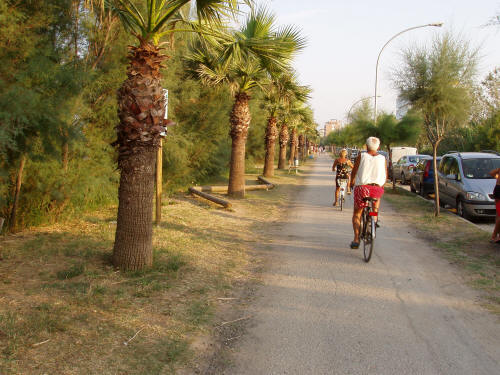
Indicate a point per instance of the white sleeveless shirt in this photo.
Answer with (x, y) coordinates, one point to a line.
(372, 170)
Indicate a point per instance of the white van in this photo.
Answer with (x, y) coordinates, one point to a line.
(397, 153)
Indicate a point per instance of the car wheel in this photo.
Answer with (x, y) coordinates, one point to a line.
(461, 209)
(403, 179)
(441, 203)
(412, 187)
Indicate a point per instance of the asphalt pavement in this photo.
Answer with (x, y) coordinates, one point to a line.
(322, 310)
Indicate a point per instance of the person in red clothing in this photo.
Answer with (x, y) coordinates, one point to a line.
(495, 236)
(368, 176)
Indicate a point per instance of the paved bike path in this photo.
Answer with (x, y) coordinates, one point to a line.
(322, 310)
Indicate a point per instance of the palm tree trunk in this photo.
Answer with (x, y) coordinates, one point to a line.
(293, 146)
(134, 232)
(301, 147)
(271, 133)
(240, 121)
(283, 142)
(141, 110)
(17, 192)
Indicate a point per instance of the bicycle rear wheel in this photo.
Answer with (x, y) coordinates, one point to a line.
(369, 237)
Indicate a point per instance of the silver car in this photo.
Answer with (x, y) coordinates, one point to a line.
(403, 169)
(465, 183)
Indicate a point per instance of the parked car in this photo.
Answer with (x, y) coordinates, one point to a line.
(465, 184)
(403, 169)
(386, 155)
(354, 154)
(422, 178)
(397, 153)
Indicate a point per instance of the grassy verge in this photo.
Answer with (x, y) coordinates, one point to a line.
(463, 244)
(64, 309)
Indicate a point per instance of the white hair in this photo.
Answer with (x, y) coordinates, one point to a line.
(372, 143)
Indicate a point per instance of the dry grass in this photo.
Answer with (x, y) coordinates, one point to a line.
(65, 310)
(463, 244)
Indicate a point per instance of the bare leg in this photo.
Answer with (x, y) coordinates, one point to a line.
(356, 222)
(496, 231)
(337, 189)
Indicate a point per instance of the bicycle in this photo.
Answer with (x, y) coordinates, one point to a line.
(368, 229)
(343, 186)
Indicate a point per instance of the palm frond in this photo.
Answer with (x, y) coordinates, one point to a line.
(160, 16)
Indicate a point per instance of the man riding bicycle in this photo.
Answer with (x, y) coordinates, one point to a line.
(368, 178)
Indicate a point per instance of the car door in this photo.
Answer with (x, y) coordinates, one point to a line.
(399, 165)
(453, 184)
(417, 176)
(443, 170)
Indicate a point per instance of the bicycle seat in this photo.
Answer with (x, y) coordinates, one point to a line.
(370, 199)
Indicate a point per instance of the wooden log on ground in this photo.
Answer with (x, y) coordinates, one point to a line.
(211, 189)
(266, 182)
(258, 187)
(211, 198)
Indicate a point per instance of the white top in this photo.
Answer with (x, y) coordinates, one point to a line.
(372, 170)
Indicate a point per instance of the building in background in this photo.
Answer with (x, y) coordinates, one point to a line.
(331, 126)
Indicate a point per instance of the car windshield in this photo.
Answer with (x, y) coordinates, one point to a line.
(479, 168)
(415, 159)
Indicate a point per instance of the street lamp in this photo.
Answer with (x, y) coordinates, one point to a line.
(356, 102)
(439, 24)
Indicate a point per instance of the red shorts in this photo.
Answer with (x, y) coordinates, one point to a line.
(497, 205)
(364, 191)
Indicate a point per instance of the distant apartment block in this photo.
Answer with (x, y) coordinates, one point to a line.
(330, 126)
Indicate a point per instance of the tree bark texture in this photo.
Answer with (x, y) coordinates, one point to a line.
(17, 192)
(436, 180)
(133, 241)
(240, 121)
(141, 110)
(293, 146)
(301, 147)
(271, 135)
(283, 143)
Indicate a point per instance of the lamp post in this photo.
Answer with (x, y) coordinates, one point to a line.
(439, 24)
(356, 102)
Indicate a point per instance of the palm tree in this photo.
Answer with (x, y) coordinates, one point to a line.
(294, 118)
(278, 95)
(243, 60)
(306, 127)
(283, 140)
(141, 111)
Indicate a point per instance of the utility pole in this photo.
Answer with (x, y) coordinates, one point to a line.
(159, 166)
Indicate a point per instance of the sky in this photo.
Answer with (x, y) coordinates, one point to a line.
(345, 37)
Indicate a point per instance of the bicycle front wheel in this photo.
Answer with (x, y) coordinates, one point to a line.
(341, 201)
(369, 238)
